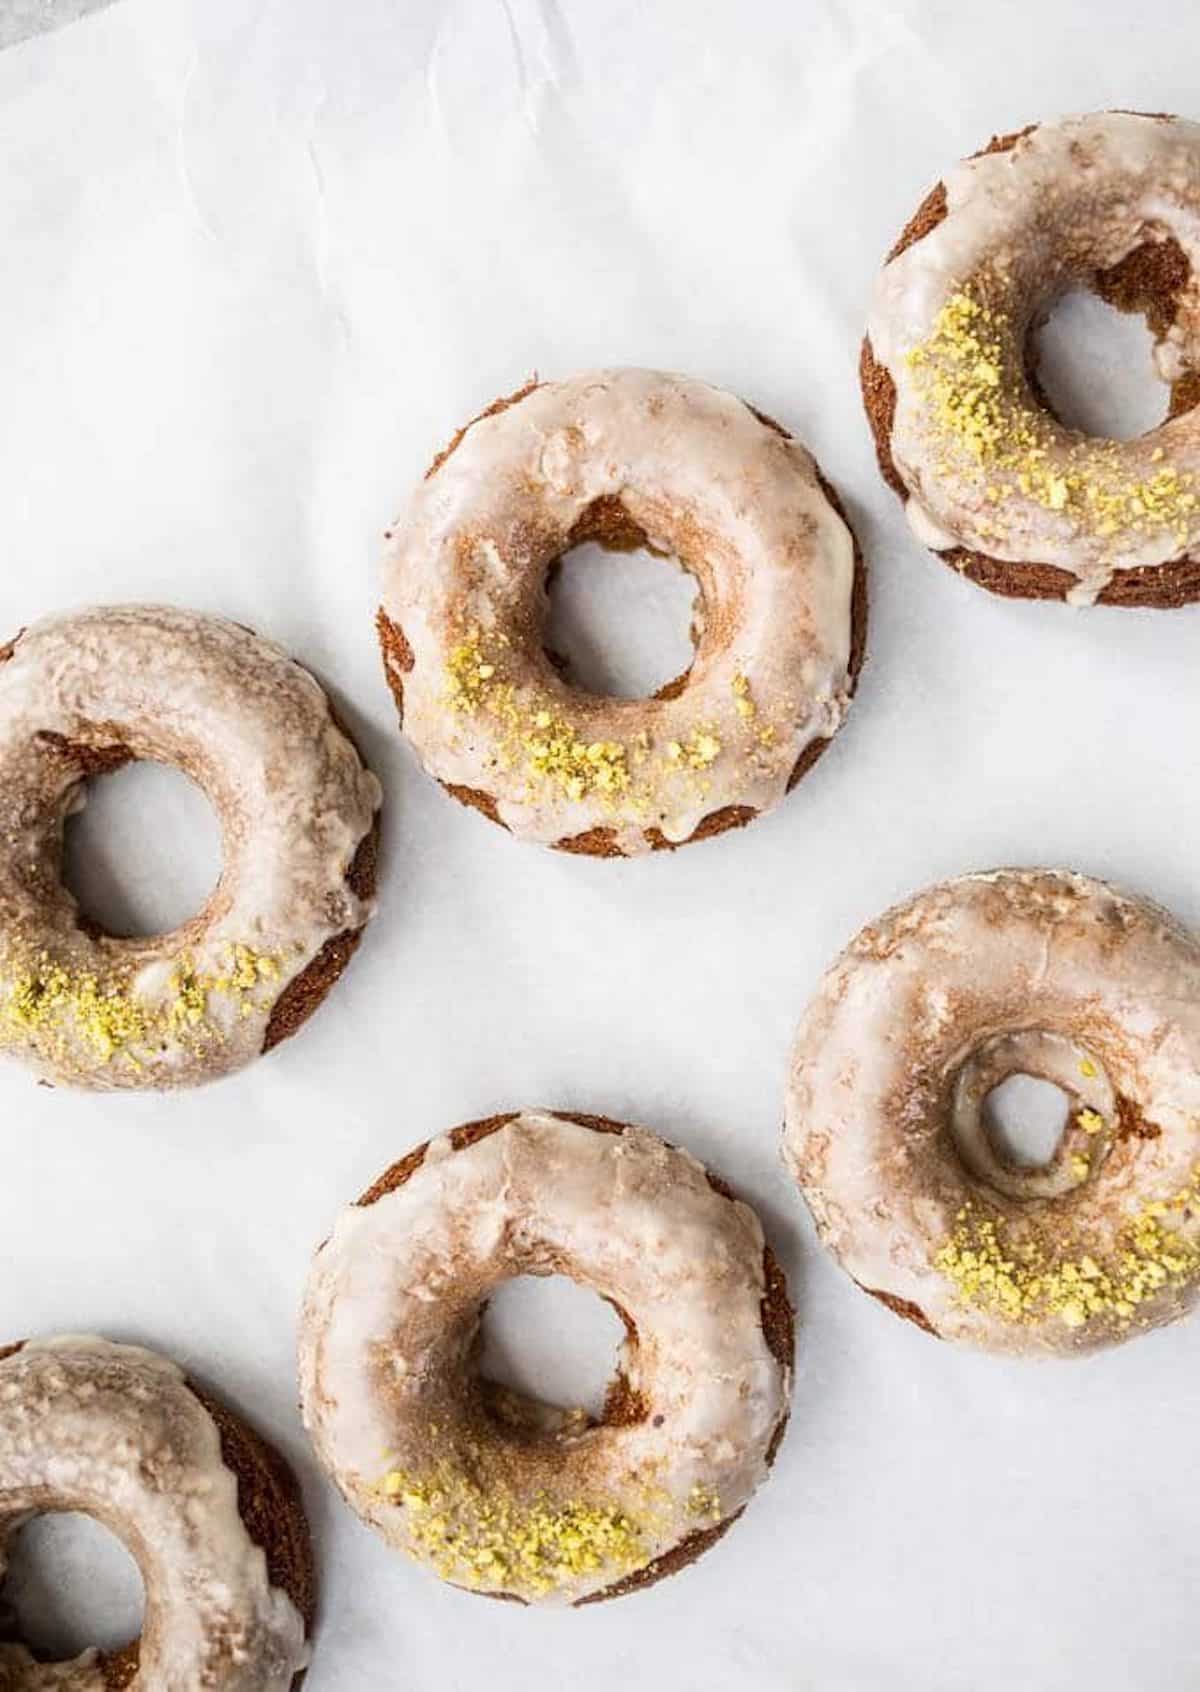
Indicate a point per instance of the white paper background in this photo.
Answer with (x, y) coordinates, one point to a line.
(259, 260)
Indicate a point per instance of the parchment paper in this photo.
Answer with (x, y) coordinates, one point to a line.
(259, 261)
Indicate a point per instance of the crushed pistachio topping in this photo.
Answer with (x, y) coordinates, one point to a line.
(703, 1501)
(536, 737)
(1015, 1277)
(698, 752)
(66, 1013)
(491, 1540)
(540, 741)
(1090, 1121)
(743, 698)
(975, 402)
(1087, 1069)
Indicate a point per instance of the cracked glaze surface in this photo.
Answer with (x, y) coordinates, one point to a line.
(705, 480)
(1031, 971)
(541, 1504)
(114, 1431)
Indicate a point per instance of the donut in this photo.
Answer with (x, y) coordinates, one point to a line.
(83, 693)
(501, 1493)
(992, 481)
(209, 1511)
(1034, 972)
(626, 458)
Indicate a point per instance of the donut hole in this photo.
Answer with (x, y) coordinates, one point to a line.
(1024, 1118)
(70, 1585)
(620, 623)
(143, 854)
(546, 1340)
(1094, 366)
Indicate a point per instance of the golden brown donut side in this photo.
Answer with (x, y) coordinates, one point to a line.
(302, 996)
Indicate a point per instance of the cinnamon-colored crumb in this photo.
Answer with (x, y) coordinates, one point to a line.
(1185, 393)
(394, 1176)
(398, 657)
(497, 405)
(470, 1133)
(927, 216)
(597, 1124)
(119, 1668)
(624, 1406)
(716, 822)
(678, 1557)
(406, 1167)
(306, 991)
(1131, 1124)
(778, 1318)
(592, 843)
(475, 799)
(88, 759)
(1148, 280)
(607, 523)
(902, 1307)
(270, 1504)
(8, 647)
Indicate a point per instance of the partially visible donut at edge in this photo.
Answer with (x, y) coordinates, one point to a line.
(209, 1511)
(627, 458)
(81, 694)
(1043, 973)
(992, 482)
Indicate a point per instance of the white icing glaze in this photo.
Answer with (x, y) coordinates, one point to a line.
(1068, 199)
(927, 531)
(113, 1431)
(392, 1310)
(294, 801)
(707, 481)
(1029, 971)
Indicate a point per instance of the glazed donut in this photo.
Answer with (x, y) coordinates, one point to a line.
(626, 458)
(500, 1493)
(991, 480)
(210, 1512)
(1033, 972)
(83, 693)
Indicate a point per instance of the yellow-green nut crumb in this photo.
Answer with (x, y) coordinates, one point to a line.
(72, 1015)
(1010, 1273)
(703, 1501)
(975, 401)
(537, 738)
(489, 1540)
